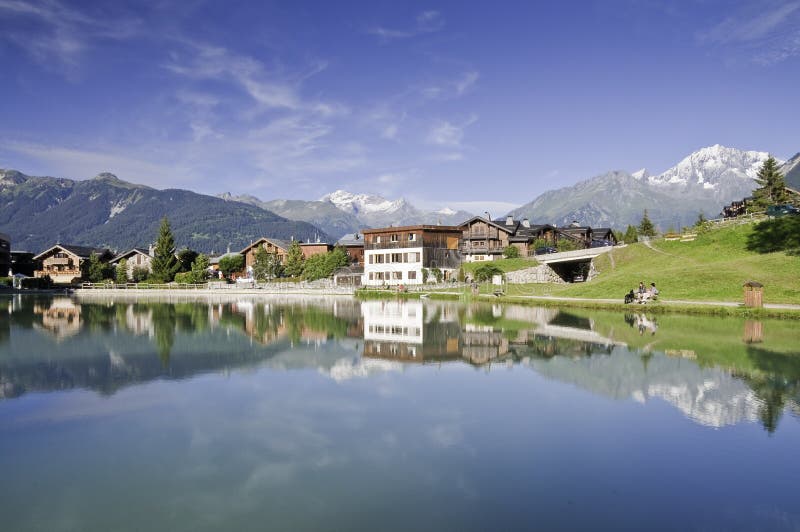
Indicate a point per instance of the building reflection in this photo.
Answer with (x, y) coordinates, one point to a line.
(43, 347)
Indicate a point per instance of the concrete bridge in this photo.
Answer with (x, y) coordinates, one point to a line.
(578, 255)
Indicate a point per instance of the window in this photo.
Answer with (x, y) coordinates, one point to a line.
(412, 274)
(397, 257)
(378, 239)
(395, 238)
(372, 259)
(397, 275)
(412, 237)
(371, 276)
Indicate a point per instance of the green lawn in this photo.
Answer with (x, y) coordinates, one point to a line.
(713, 268)
(507, 265)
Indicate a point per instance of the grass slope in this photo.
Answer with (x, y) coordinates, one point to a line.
(507, 265)
(712, 268)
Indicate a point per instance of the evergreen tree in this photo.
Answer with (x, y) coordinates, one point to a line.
(646, 227)
(164, 264)
(630, 236)
(186, 257)
(121, 274)
(772, 187)
(231, 263)
(266, 265)
(294, 260)
(200, 268)
(95, 270)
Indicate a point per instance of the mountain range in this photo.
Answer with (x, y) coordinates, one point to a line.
(703, 182)
(105, 211)
(38, 212)
(342, 212)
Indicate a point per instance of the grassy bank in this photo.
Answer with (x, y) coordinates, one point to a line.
(711, 268)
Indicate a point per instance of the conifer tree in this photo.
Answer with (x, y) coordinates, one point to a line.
(121, 275)
(200, 268)
(646, 227)
(772, 186)
(164, 264)
(294, 260)
(630, 235)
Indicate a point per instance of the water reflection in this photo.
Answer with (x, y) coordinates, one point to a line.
(705, 367)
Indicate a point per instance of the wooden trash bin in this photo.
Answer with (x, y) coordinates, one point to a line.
(753, 294)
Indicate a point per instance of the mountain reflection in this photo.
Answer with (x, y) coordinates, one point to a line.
(717, 372)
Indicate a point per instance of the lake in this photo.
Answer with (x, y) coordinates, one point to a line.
(333, 414)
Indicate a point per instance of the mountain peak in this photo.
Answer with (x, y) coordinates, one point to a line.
(12, 177)
(641, 174)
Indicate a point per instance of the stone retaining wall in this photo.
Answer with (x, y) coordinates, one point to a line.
(538, 274)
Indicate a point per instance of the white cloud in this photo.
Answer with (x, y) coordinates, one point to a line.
(466, 82)
(768, 32)
(81, 164)
(63, 33)
(426, 22)
(444, 133)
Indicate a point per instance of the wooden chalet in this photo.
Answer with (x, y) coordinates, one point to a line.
(483, 239)
(314, 248)
(273, 245)
(63, 262)
(604, 233)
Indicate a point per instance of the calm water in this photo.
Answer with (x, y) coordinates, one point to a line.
(307, 414)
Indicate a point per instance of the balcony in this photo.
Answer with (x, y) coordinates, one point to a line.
(473, 235)
(58, 261)
(394, 245)
(480, 249)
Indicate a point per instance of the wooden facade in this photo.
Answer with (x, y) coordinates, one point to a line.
(63, 262)
(398, 255)
(483, 239)
(272, 245)
(353, 245)
(315, 248)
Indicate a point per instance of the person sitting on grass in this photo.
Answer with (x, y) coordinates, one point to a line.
(653, 291)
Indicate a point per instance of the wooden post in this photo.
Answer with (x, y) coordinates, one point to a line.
(753, 294)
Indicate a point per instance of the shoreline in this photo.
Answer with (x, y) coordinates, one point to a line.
(714, 308)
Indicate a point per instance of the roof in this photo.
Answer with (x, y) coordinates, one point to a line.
(351, 239)
(141, 251)
(83, 252)
(315, 244)
(283, 244)
(498, 224)
(412, 228)
(215, 260)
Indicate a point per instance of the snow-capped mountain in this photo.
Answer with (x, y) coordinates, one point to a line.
(364, 204)
(791, 172)
(342, 212)
(702, 182)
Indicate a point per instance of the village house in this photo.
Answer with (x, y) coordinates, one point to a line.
(398, 255)
(483, 239)
(353, 244)
(314, 248)
(63, 262)
(136, 258)
(273, 245)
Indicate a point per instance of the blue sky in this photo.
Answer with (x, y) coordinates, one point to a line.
(459, 103)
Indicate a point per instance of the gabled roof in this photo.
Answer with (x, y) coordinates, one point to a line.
(283, 244)
(134, 251)
(500, 224)
(82, 252)
(351, 239)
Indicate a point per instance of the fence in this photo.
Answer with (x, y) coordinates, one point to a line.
(314, 287)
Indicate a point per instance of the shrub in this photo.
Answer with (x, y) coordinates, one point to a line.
(486, 272)
(511, 252)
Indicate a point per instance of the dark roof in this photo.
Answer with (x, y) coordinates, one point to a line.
(422, 227)
(130, 252)
(283, 244)
(351, 239)
(83, 252)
